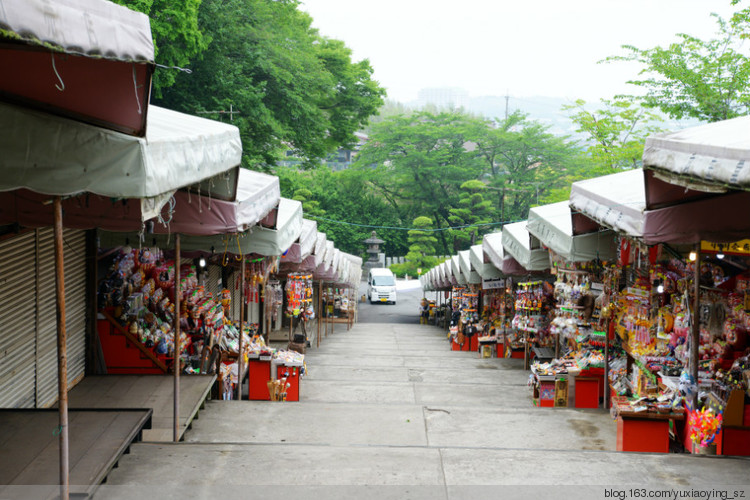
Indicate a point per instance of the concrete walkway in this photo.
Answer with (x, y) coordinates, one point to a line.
(388, 411)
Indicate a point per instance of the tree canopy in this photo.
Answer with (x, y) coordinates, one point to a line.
(289, 86)
(693, 78)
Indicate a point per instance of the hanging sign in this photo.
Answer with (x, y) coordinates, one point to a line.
(493, 284)
(741, 247)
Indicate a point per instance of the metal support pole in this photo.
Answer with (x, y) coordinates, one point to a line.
(242, 325)
(62, 355)
(320, 310)
(176, 356)
(695, 337)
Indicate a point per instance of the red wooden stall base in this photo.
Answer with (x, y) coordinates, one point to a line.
(642, 435)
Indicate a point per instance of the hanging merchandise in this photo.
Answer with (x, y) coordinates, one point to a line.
(299, 293)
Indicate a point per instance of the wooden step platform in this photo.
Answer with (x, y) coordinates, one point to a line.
(29, 448)
(145, 391)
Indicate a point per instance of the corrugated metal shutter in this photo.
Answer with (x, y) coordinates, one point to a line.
(17, 333)
(213, 284)
(46, 322)
(75, 312)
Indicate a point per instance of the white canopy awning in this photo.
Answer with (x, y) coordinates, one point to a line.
(308, 237)
(485, 270)
(470, 275)
(553, 226)
(57, 156)
(91, 60)
(456, 269)
(93, 28)
(524, 247)
(320, 248)
(265, 241)
(257, 195)
(616, 201)
(705, 157)
(492, 245)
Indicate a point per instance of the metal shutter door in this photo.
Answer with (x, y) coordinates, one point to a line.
(17, 332)
(75, 313)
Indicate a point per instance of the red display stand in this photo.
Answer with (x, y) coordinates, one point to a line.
(474, 343)
(735, 441)
(642, 434)
(500, 350)
(455, 346)
(587, 392)
(122, 356)
(547, 393)
(517, 354)
(292, 378)
(258, 376)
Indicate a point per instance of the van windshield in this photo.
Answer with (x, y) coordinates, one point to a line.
(382, 281)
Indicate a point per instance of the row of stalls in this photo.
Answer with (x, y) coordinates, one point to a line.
(141, 269)
(632, 296)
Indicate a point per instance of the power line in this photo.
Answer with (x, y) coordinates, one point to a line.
(371, 226)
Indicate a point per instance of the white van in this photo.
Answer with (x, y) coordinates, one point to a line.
(381, 286)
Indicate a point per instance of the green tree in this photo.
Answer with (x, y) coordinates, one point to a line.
(421, 249)
(291, 87)
(693, 78)
(472, 210)
(524, 163)
(177, 37)
(417, 163)
(615, 133)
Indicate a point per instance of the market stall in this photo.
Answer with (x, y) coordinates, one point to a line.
(661, 303)
(577, 262)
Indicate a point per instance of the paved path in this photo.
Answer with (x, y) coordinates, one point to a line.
(389, 406)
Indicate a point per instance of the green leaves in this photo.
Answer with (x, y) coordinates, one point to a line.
(289, 86)
(615, 133)
(693, 78)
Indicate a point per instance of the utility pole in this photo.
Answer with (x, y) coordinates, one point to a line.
(506, 105)
(231, 112)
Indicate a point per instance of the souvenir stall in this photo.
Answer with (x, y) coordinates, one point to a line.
(114, 52)
(530, 324)
(498, 289)
(578, 263)
(495, 304)
(695, 164)
(651, 300)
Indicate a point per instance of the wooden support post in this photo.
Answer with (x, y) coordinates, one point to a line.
(176, 355)
(242, 325)
(62, 354)
(695, 337)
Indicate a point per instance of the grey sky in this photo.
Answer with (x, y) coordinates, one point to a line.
(488, 47)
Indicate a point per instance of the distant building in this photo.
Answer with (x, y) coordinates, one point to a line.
(340, 160)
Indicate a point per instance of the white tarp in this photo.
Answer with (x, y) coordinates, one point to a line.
(445, 273)
(257, 195)
(456, 269)
(517, 241)
(553, 225)
(485, 271)
(94, 28)
(492, 245)
(265, 241)
(57, 156)
(328, 260)
(320, 248)
(470, 275)
(308, 237)
(616, 201)
(703, 157)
